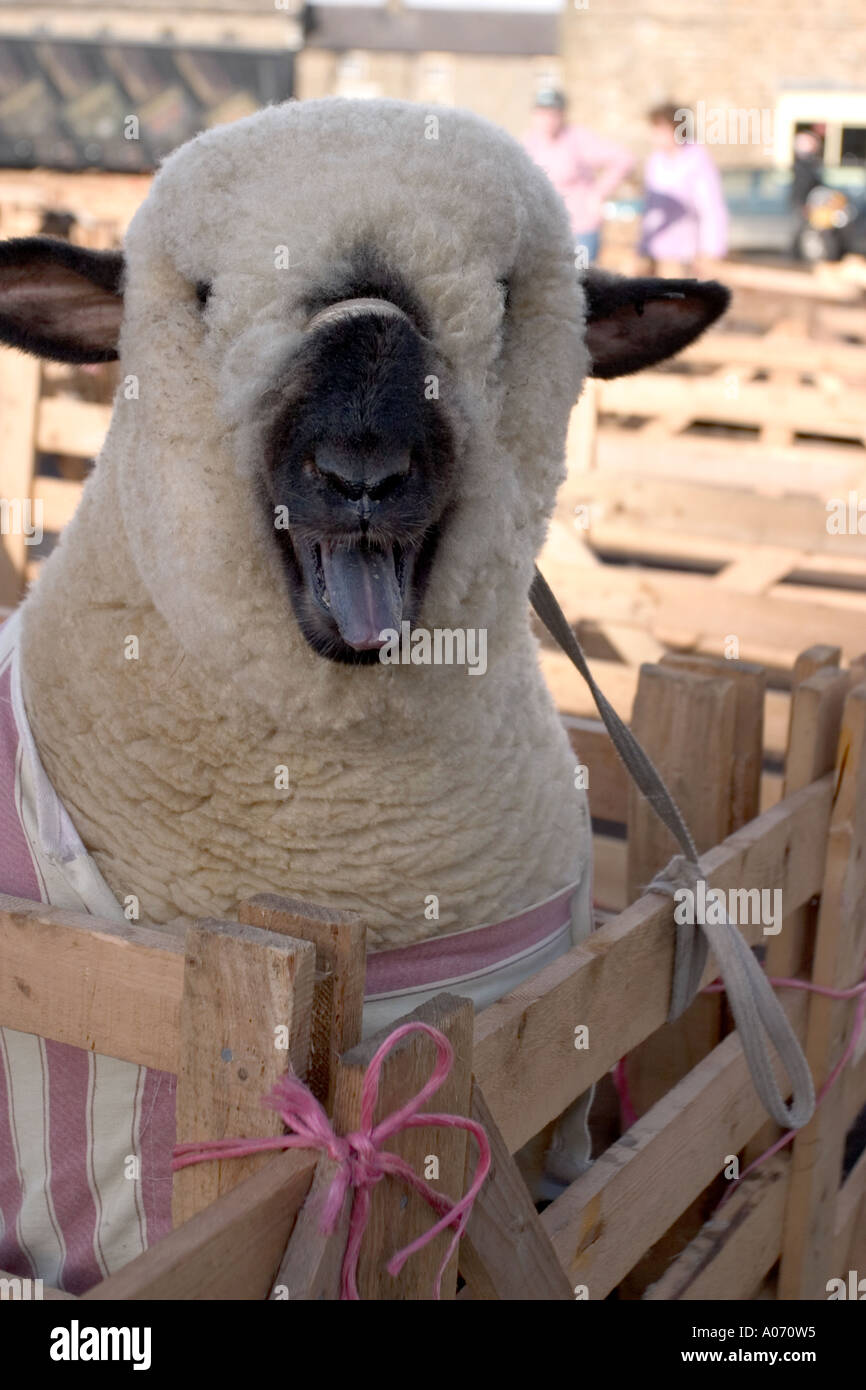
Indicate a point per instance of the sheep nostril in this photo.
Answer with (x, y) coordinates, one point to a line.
(346, 487)
(387, 486)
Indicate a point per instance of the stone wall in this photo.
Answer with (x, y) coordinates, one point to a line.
(621, 57)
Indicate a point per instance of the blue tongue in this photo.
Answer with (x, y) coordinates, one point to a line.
(364, 593)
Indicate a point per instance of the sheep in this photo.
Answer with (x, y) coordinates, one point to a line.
(350, 335)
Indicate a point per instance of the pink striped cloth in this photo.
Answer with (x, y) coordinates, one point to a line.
(464, 954)
(86, 1141)
(65, 1215)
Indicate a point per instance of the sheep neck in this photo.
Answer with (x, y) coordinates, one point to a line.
(190, 800)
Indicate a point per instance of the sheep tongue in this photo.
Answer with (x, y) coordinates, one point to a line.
(364, 593)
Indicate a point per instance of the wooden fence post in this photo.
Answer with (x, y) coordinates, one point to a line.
(397, 1216)
(817, 702)
(701, 721)
(814, 659)
(750, 689)
(245, 1019)
(506, 1252)
(687, 723)
(849, 1248)
(340, 940)
(840, 946)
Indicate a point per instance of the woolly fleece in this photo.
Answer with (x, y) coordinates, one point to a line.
(405, 781)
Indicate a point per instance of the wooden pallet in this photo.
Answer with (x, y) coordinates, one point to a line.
(672, 538)
(782, 382)
(248, 1230)
(636, 612)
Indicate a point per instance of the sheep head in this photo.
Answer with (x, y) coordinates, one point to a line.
(356, 333)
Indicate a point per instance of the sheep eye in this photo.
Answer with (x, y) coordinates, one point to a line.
(202, 292)
(505, 291)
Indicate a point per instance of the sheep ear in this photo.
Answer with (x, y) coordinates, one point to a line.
(632, 323)
(60, 301)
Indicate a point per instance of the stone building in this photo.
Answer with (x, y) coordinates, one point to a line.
(492, 62)
(754, 69)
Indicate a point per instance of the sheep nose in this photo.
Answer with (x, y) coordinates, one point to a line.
(356, 474)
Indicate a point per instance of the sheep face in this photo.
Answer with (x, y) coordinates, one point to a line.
(311, 467)
(360, 462)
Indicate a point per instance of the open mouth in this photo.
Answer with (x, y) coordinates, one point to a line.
(350, 592)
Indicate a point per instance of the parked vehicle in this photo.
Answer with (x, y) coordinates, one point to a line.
(834, 225)
(762, 218)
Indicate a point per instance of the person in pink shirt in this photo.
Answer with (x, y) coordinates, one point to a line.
(583, 167)
(685, 222)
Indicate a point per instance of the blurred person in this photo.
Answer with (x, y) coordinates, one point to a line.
(807, 169)
(685, 221)
(583, 167)
(807, 174)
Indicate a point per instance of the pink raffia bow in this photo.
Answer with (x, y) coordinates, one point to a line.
(362, 1160)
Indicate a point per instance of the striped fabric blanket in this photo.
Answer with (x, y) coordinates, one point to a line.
(85, 1141)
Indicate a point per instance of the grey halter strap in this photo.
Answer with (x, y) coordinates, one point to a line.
(755, 1007)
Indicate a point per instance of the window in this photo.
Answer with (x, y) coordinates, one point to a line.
(353, 77)
(436, 82)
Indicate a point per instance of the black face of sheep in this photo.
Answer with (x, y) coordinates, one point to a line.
(359, 454)
(360, 460)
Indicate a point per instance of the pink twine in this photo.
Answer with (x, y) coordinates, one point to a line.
(362, 1160)
(855, 992)
(629, 1115)
(627, 1112)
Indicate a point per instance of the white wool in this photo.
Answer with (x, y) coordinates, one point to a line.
(405, 781)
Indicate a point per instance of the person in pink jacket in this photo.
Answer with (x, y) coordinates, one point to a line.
(685, 222)
(583, 167)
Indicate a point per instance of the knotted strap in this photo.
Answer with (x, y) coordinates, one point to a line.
(753, 1003)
